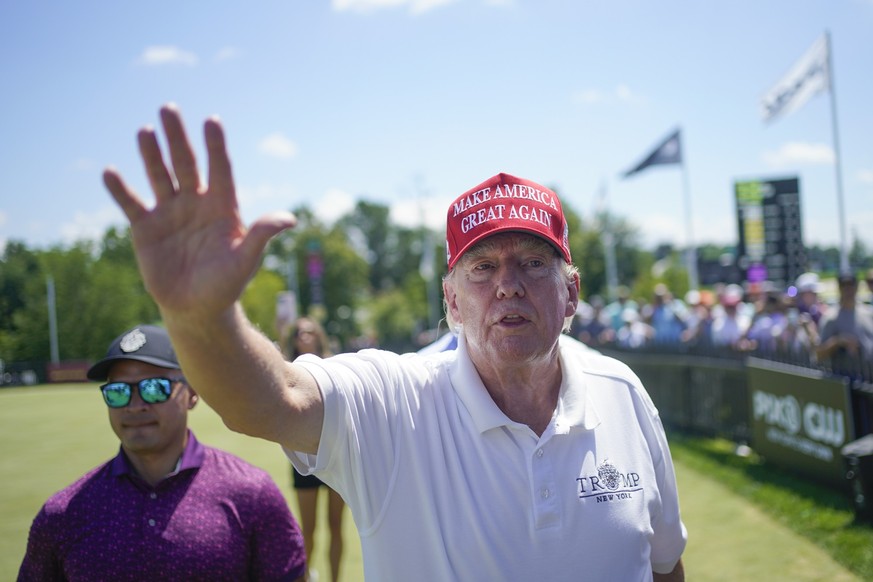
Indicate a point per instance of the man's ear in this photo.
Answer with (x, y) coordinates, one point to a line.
(193, 397)
(451, 301)
(573, 295)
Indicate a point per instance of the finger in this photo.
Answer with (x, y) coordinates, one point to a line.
(220, 172)
(262, 231)
(126, 198)
(181, 152)
(156, 170)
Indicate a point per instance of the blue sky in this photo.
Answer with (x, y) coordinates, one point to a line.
(412, 102)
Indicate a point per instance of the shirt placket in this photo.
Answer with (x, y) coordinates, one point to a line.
(151, 516)
(544, 488)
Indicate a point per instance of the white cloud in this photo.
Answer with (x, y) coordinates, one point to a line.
(409, 212)
(226, 54)
(91, 225)
(277, 145)
(252, 197)
(82, 165)
(364, 5)
(422, 6)
(865, 176)
(415, 6)
(799, 153)
(661, 227)
(587, 96)
(621, 94)
(167, 55)
(333, 205)
(624, 94)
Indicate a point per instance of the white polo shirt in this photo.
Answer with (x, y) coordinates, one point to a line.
(443, 486)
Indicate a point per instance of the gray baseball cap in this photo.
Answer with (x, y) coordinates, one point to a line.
(145, 343)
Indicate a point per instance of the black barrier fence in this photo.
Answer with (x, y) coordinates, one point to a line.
(795, 413)
(706, 391)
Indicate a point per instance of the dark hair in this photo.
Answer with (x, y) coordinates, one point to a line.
(322, 344)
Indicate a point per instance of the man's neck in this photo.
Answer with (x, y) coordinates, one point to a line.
(155, 467)
(526, 394)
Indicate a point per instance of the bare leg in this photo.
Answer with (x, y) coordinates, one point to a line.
(307, 499)
(336, 505)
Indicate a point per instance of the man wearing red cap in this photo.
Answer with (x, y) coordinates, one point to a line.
(515, 456)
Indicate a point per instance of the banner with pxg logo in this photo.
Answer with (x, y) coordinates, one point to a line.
(800, 419)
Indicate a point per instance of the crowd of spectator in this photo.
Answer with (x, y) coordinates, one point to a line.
(798, 321)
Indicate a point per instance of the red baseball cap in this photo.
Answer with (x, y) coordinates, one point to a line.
(505, 203)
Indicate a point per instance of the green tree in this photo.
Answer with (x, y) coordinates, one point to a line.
(859, 257)
(259, 301)
(19, 268)
(390, 250)
(394, 317)
(587, 248)
(117, 299)
(313, 251)
(394, 255)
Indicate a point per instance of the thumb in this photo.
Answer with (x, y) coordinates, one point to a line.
(265, 228)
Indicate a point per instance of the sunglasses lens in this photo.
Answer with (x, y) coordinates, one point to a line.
(154, 390)
(116, 394)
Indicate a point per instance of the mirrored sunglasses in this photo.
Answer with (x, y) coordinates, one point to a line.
(151, 391)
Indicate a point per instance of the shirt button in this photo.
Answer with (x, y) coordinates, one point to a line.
(546, 493)
(153, 495)
(540, 453)
(152, 522)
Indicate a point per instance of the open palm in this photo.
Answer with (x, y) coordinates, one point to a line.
(195, 254)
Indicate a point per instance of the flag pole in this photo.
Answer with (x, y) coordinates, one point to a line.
(844, 256)
(691, 251)
(426, 266)
(53, 319)
(608, 240)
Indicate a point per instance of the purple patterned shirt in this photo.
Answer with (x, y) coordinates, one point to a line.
(215, 518)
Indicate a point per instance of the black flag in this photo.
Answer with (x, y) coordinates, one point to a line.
(668, 151)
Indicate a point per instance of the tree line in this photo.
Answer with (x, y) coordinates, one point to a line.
(362, 276)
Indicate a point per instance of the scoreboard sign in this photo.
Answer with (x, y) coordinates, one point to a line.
(770, 235)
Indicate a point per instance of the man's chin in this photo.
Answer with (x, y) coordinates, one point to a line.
(140, 437)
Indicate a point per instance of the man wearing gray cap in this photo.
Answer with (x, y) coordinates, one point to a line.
(166, 507)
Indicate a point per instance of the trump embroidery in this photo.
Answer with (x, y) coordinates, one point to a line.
(609, 484)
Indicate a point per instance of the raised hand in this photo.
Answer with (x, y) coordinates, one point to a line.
(195, 254)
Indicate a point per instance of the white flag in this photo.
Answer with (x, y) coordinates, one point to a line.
(807, 77)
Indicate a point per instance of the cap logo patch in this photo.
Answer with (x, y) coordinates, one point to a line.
(133, 341)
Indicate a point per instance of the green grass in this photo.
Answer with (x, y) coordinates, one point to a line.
(746, 521)
(50, 435)
(817, 514)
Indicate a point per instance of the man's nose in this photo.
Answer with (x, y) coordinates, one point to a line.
(509, 281)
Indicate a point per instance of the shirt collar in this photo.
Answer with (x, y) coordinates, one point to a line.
(574, 405)
(192, 458)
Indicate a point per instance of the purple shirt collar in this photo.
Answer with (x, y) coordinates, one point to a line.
(192, 458)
